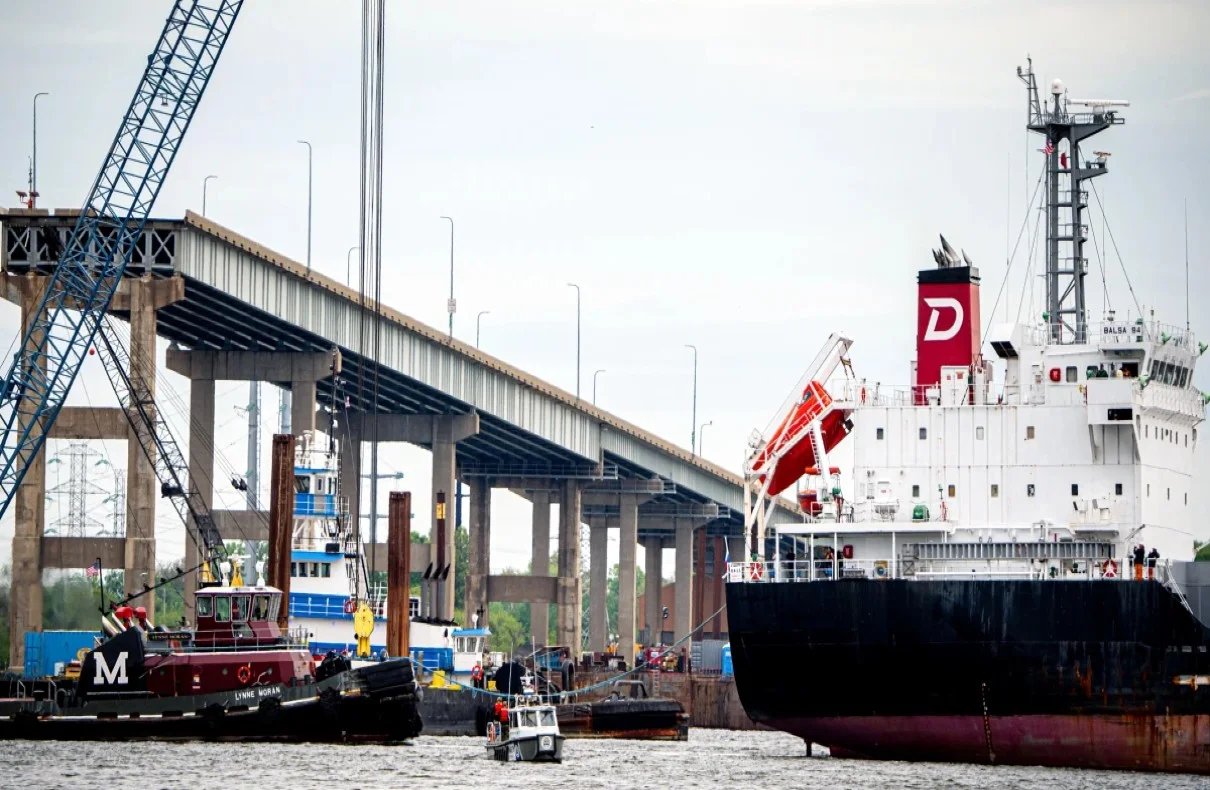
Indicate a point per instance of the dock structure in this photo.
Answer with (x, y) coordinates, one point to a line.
(233, 309)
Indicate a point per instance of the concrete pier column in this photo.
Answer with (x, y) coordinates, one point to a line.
(479, 563)
(598, 588)
(683, 616)
(568, 605)
(626, 581)
(25, 592)
(143, 486)
(302, 406)
(539, 613)
(654, 583)
(201, 474)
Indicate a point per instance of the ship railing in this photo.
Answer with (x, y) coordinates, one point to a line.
(812, 570)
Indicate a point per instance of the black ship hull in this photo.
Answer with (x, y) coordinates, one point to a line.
(375, 703)
(1093, 674)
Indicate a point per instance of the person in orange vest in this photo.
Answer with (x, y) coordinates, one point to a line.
(1152, 559)
(1140, 557)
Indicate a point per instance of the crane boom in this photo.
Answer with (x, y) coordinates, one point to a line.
(83, 283)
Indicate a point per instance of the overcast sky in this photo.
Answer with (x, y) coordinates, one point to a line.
(743, 176)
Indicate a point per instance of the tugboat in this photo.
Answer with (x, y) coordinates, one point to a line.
(236, 676)
(530, 735)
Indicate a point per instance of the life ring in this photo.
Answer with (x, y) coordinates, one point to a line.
(350, 606)
(755, 571)
(476, 673)
(863, 395)
(244, 674)
(1110, 569)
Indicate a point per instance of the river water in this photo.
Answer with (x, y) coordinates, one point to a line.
(711, 758)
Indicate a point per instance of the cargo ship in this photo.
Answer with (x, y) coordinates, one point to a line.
(1002, 578)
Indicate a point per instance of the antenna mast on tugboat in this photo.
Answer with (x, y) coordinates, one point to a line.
(1066, 311)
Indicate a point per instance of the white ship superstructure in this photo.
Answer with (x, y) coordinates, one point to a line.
(1083, 452)
(328, 575)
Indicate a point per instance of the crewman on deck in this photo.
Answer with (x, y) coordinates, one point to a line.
(1139, 558)
(1152, 560)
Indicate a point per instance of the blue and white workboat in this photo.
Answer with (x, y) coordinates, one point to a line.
(329, 576)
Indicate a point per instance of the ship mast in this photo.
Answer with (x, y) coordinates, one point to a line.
(1066, 311)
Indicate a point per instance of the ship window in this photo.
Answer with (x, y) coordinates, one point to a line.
(1075, 489)
(924, 433)
(313, 567)
(548, 717)
(878, 434)
(953, 490)
(319, 485)
(1029, 489)
(1147, 431)
(293, 569)
(325, 570)
(1029, 432)
(204, 606)
(1072, 374)
(302, 484)
(1186, 498)
(239, 607)
(1117, 489)
(222, 609)
(1169, 494)
(915, 492)
(260, 607)
(995, 490)
(1120, 414)
(979, 432)
(1149, 489)
(274, 607)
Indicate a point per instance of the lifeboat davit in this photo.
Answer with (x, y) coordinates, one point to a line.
(793, 433)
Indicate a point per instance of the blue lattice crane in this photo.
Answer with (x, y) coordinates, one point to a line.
(82, 285)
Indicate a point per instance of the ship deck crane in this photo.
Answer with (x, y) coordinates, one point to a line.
(82, 285)
(806, 427)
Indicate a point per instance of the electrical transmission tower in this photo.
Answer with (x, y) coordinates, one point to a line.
(78, 488)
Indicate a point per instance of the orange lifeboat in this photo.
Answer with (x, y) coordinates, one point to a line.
(800, 456)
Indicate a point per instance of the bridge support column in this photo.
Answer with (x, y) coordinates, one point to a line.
(626, 572)
(25, 590)
(568, 604)
(350, 466)
(684, 582)
(479, 563)
(539, 613)
(201, 475)
(146, 296)
(302, 406)
(654, 572)
(598, 588)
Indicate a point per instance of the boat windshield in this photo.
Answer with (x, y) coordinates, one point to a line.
(529, 718)
(548, 717)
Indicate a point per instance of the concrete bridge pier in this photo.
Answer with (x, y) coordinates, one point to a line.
(539, 612)
(653, 584)
(568, 602)
(479, 562)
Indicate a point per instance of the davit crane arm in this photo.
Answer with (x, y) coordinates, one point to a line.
(776, 456)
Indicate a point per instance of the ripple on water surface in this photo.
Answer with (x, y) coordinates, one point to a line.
(711, 758)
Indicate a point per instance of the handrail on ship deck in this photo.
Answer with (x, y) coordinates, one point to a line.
(880, 569)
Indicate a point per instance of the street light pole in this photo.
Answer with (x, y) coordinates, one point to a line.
(477, 319)
(693, 422)
(594, 385)
(33, 164)
(702, 435)
(205, 183)
(451, 305)
(348, 266)
(308, 145)
(573, 285)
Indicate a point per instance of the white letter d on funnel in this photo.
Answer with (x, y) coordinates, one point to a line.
(932, 332)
